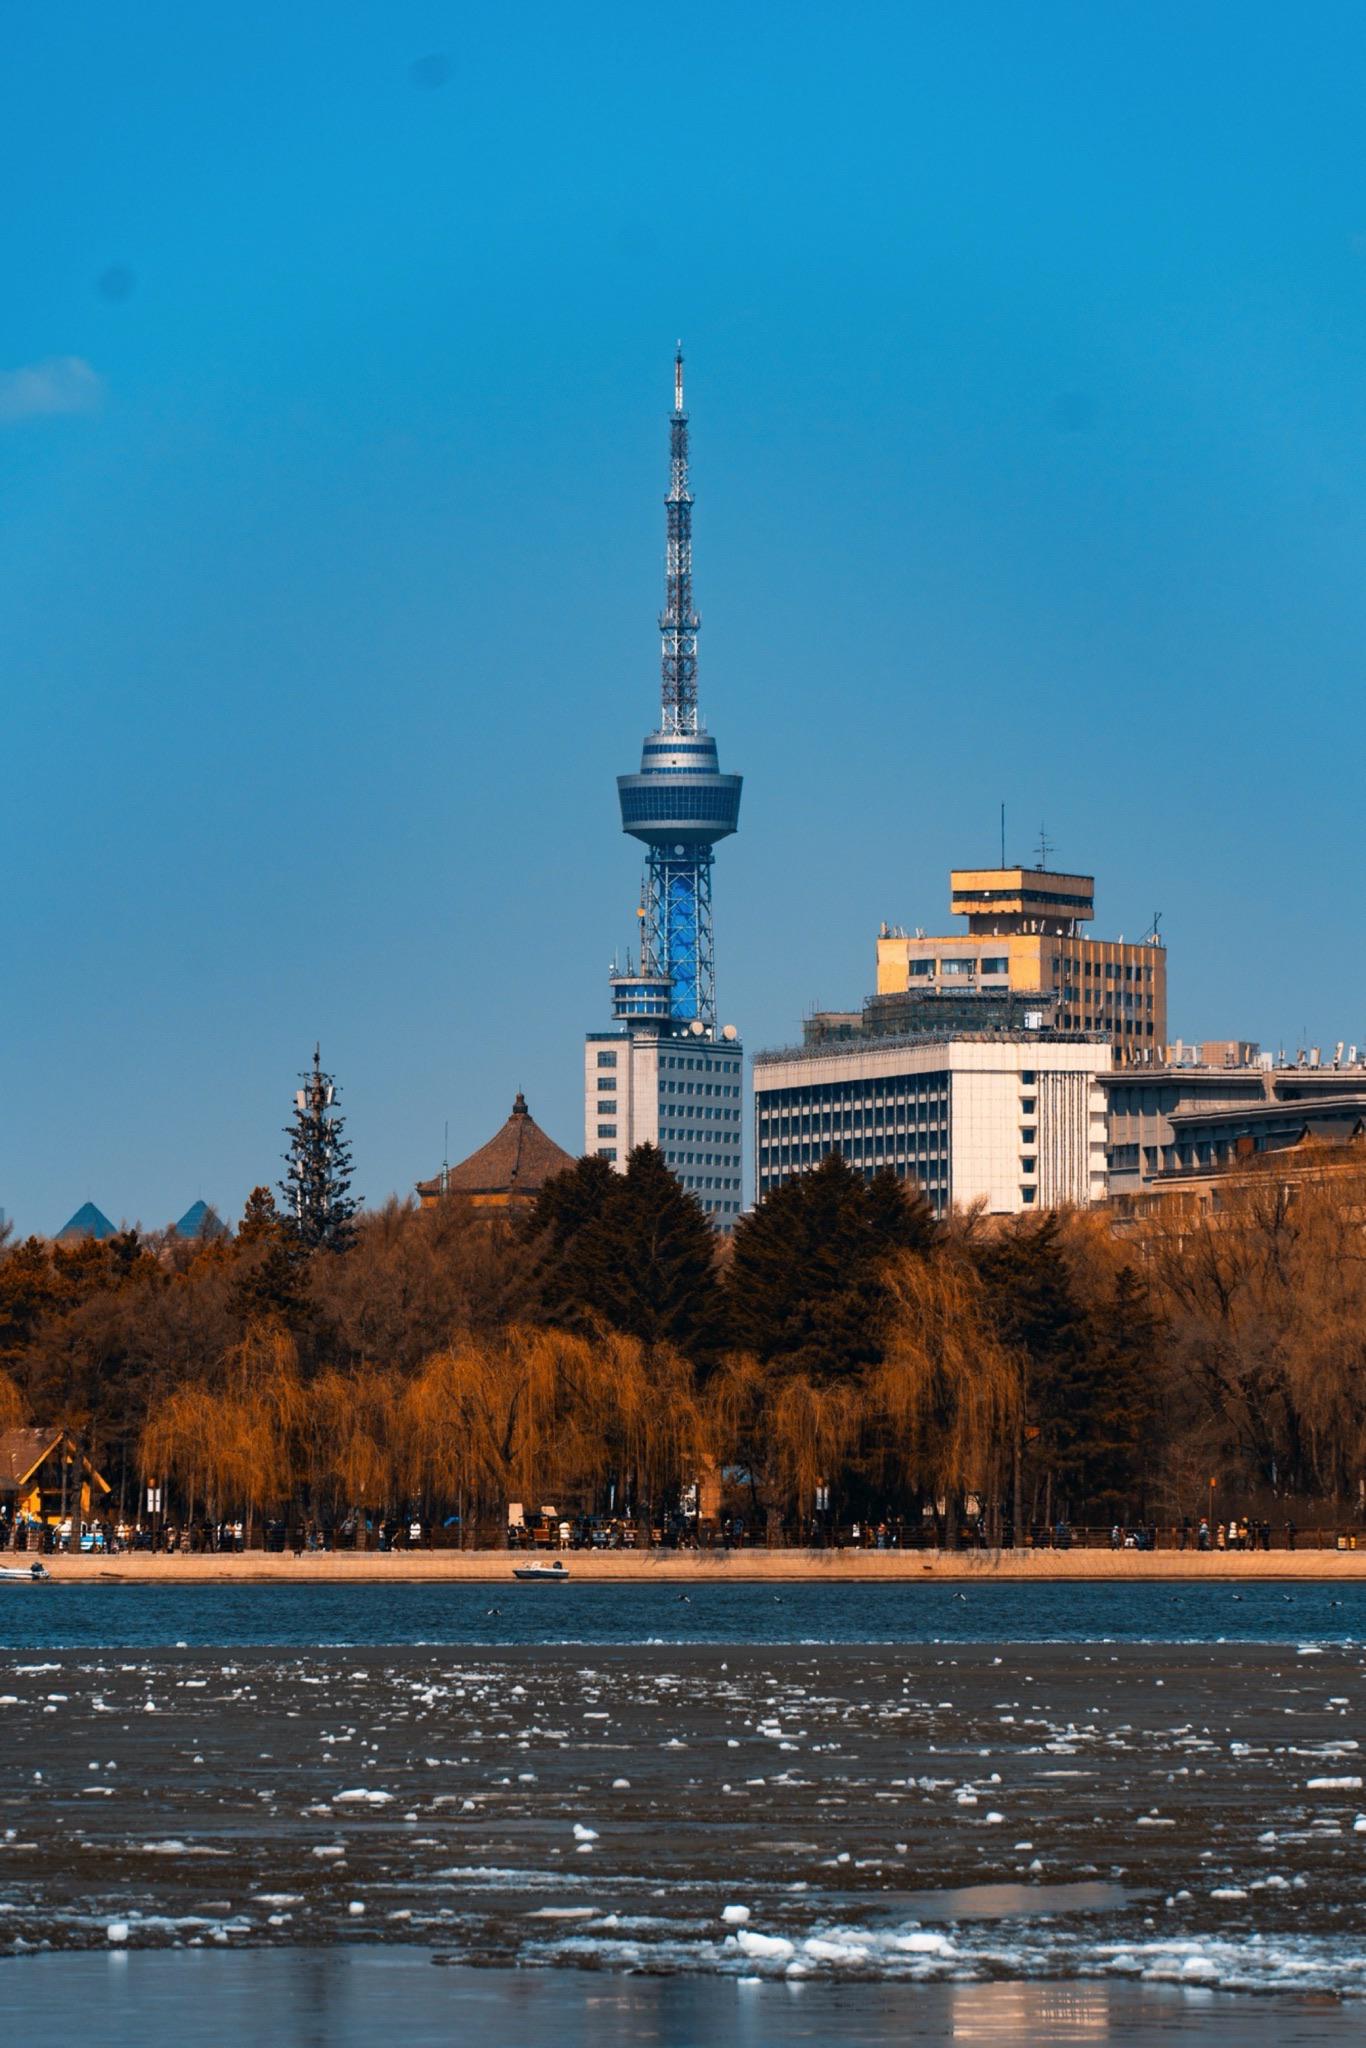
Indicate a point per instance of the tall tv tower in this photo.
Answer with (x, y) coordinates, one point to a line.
(679, 804)
(664, 1074)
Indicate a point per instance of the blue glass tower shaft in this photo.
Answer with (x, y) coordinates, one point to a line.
(677, 930)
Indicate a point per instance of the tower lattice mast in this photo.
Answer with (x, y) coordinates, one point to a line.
(679, 622)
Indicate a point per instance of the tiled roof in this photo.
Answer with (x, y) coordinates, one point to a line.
(518, 1160)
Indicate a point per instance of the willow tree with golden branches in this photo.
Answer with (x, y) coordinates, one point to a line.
(942, 1403)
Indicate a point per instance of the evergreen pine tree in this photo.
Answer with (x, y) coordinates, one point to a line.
(317, 1186)
(803, 1285)
(267, 1287)
(630, 1250)
(1038, 1317)
(1115, 1404)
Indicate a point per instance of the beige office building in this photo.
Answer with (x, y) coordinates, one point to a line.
(1024, 937)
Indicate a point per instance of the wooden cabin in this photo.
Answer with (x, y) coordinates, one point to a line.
(33, 1465)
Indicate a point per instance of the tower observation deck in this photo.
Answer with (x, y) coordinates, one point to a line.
(680, 804)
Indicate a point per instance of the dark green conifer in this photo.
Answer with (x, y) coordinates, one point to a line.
(319, 1205)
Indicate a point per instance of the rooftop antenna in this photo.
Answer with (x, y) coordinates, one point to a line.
(1003, 835)
(446, 1159)
(1045, 847)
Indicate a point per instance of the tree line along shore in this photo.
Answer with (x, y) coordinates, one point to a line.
(841, 1359)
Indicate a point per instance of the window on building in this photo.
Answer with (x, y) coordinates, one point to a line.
(1027, 1195)
(608, 1081)
(607, 1109)
(1027, 1105)
(1027, 1136)
(956, 970)
(998, 964)
(1028, 1078)
(921, 970)
(607, 1059)
(608, 1152)
(1029, 1165)
(607, 1130)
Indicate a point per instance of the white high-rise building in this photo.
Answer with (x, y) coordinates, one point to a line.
(1014, 1119)
(677, 1087)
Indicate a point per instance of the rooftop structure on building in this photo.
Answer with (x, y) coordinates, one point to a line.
(652, 1077)
(1014, 1120)
(88, 1221)
(507, 1173)
(1024, 941)
(1188, 1122)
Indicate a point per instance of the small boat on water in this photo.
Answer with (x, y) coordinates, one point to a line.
(549, 1574)
(25, 1575)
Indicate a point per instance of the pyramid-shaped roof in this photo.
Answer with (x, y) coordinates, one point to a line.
(518, 1160)
(88, 1221)
(201, 1219)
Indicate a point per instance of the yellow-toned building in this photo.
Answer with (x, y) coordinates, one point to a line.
(1024, 937)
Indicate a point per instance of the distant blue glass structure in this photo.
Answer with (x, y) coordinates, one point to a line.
(680, 803)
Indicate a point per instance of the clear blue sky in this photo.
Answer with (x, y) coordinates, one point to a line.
(1027, 366)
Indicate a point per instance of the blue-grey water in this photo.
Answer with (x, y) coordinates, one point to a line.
(58, 1616)
(335, 1998)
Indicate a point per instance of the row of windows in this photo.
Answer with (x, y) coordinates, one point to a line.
(705, 803)
(1075, 1020)
(874, 1145)
(856, 1094)
(958, 967)
(965, 900)
(1106, 970)
(699, 1088)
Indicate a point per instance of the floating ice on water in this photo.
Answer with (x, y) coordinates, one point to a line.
(116, 1933)
(735, 1916)
(1333, 1785)
(356, 1908)
(359, 1796)
(768, 1948)
(583, 1834)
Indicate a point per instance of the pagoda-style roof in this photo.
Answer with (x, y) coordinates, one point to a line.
(515, 1164)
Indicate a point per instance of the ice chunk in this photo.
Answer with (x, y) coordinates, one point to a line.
(735, 1916)
(768, 1948)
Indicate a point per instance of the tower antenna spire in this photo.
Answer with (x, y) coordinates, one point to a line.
(678, 622)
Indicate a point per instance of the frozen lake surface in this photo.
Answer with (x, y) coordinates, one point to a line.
(1189, 1815)
(613, 1813)
(132, 1616)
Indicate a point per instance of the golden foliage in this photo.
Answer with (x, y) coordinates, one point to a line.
(946, 1393)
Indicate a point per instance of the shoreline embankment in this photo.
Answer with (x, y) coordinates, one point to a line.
(714, 1567)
